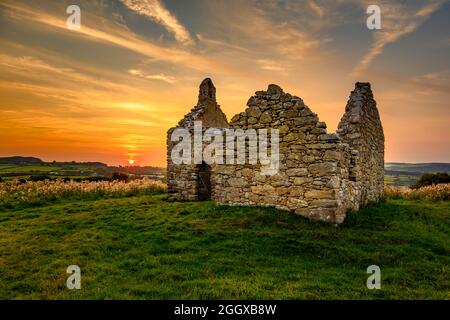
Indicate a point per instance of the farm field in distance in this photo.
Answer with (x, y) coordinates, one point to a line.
(26, 171)
(28, 167)
(406, 174)
(145, 247)
(399, 178)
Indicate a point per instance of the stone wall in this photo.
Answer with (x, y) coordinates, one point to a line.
(361, 129)
(313, 163)
(321, 175)
(182, 180)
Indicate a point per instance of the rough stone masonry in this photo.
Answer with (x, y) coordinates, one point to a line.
(321, 175)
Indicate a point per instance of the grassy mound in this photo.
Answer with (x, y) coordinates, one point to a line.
(145, 247)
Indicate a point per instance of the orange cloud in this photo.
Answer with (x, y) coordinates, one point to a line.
(156, 11)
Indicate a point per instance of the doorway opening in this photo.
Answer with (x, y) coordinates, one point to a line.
(204, 182)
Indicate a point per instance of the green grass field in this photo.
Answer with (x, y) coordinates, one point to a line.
(400, 179)
(12, 172)
(148, 248)
(17, 169)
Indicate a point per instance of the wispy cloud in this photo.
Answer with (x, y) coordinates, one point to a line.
(316, 8)
(244, 40)
(58, 88)
(220, 44)
(264, 29)
(156, 11)
(397, 20)
(433, 82)
(122, 37)
(33, 70)
(270, 65)
(159, 77)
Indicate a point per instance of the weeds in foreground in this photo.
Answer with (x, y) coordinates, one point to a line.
(42, 191)
(433, 192)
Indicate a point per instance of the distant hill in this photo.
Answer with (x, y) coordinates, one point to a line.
(21, 160)
(26, 161)
(417, 167)
(406, 174)
(75, 163)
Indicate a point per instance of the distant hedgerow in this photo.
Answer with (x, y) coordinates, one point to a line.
(39, 178)
(429, 179)
(120, 176)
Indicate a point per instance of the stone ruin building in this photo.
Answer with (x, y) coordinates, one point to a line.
(321, 175)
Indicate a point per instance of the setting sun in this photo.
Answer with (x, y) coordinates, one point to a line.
(131, 162)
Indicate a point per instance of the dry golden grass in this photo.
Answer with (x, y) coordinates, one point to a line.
(434, 192)
(31, 192)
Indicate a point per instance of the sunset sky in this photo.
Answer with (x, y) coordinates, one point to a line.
(110, 91)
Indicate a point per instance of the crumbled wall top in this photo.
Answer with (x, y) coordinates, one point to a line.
(360, 112)
(207, 110)
(358, 102)
(277, 109)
